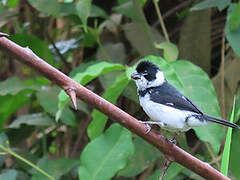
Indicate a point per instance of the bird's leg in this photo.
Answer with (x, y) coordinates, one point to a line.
(147, 125)
(150, 122)
(173, 140)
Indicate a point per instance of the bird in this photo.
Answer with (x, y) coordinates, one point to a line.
(165, 105)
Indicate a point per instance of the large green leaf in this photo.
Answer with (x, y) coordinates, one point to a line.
(56, 168)
(37, 119)
(232, 36)
(145, 154)
(111, 94)
(198, 87)
(39, 47)
(103, 157)
(85, 73)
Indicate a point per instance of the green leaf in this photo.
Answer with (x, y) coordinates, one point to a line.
(126, 9)
(37, 119)
(235, 17)
(54, 8)
(145, 154)
(85, 73)
(237, 108)
(170, 50)
(83, 11)
(103, 157)
(227, 147)
(12, 3)
(46, 7)
(56, 168)
(14, 85)
(220, 4)
(233, 37)
(198, 87)
(12, 174)
(234, 155)
(111, 94)
(39, 47)
(11, 103)
(96, 11)
(48, 99)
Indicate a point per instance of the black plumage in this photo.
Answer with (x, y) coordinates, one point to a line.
(168, 95)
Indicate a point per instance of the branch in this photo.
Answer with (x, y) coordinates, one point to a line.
(171, 151)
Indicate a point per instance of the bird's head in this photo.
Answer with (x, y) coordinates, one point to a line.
(148, 75)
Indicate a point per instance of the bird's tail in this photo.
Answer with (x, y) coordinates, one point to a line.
(220, 121)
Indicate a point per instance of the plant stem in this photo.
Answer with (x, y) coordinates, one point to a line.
(9, 151)
(161, 20)
(222, 77)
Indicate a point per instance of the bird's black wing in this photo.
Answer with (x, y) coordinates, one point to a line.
(168, 95)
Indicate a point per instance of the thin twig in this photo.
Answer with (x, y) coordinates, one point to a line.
(161, 20)
(164, 169)
(170, 150)
(58, 52)
(222, 76)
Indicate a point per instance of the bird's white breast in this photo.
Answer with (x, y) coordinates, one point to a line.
(168, 117)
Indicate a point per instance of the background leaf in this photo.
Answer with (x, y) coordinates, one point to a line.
(37, 119)
(233, 37)
(56, 168)
(39, 47)
(85, 73)
(222, 4)
(110, 158)
(170, 50)
(235, 17)
(143, 157)
(83, 11)
(198, 87)
(227, 146)
(111, 94)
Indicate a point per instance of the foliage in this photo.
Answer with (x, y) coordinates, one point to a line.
(99, 44)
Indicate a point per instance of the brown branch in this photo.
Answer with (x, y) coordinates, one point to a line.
(171, 151)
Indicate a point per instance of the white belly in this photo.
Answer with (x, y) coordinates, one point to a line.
(168, 117)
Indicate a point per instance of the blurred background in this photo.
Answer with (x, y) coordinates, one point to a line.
(98, 44)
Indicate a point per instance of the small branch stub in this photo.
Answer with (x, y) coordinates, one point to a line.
(72, 94)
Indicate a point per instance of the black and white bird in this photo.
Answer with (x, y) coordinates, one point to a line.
(165, 105)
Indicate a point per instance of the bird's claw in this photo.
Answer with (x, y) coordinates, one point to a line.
(147, 125)
(173, 141)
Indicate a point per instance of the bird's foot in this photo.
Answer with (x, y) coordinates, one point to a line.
(173, 141)
(147, 125)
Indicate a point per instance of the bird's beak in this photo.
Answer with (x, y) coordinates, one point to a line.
(135, 75)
